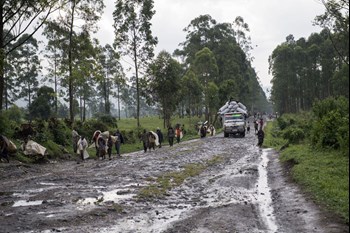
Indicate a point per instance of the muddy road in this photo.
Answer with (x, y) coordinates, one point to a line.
(239, 188)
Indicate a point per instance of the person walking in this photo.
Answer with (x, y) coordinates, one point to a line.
(203, 131)
(110, 146)
(178, 134)
(256, 126)
(101, 147)
(144, 139)
(151, 141)
(171, 135)
(261, 123)
(119, 140)
(82, 146)
(160, 137)
(261, 136)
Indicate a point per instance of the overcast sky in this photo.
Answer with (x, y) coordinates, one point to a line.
(270, 22)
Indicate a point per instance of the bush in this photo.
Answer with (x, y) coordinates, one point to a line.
(6, 126)
(331, 128)
(293, 134)
(60, 132)
(54, 151)
(108, 120)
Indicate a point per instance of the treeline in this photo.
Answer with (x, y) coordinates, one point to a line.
(82, 76)
(316, 68)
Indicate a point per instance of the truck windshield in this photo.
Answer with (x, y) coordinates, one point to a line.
(234, 117)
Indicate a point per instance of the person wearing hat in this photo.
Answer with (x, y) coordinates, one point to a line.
(160, 136)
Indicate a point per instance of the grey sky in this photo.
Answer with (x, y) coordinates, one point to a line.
(270, 22)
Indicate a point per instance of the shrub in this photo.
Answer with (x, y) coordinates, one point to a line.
(294, 134)
(61, 133)
(54, 151)
(330, 130)
(6, 126)
(108, 120)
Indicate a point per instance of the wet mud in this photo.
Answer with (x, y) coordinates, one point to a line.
(243, 189)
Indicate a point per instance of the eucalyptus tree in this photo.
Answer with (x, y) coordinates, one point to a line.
(231, 51)
(244, 40)
(75, 17)
(86, 70)
(336, 21)
(113, 74)
(17, 17)
(28, 69)
(206, 69)
(164, 83)
(133, 37)
(54, 53)
(191, 92)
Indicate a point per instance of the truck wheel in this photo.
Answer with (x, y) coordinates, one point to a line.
(225, 135)
(243, 135)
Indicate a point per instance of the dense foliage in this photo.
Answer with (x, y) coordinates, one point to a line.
(306, 70)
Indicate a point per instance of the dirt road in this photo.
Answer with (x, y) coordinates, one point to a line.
(240, 188)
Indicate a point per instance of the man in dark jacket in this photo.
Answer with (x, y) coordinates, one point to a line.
(160, 137)
(119, 141)
(261, 136)
(171, 135)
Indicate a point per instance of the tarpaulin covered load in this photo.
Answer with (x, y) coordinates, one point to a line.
(33, 148)
(233, 106)
(156, 138)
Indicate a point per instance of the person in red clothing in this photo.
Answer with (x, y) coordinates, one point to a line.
(178, 133)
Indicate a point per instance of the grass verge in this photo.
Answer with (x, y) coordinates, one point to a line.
(323, 174)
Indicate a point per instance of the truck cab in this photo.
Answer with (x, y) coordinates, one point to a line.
(234, 123)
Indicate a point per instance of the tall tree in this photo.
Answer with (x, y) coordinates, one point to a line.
(133, 36)
(207, 71)
(164, 82)
(28, 69)
(336, 20)
(17, 17)
(76, 17)
(112, 74)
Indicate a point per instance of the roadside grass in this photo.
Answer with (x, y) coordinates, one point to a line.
(170, 180)
(322, 174)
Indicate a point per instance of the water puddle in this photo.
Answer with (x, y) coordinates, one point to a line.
(264, 195)
(26, 203)
(153, 222)
(115, 195)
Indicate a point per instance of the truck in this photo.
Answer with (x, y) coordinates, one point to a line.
(234, 123)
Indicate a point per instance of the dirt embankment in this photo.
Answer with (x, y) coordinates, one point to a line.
(237, 187)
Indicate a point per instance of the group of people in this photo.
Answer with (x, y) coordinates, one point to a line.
(151, 139)
(104, 143)
(204, 130)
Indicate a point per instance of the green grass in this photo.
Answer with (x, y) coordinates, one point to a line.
(170, 180)
(322, 174)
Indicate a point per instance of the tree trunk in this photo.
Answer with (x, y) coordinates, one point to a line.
(70, 60)
(137, 82)
(2, 56)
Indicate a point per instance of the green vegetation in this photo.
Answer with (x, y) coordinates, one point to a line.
(316, 144)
